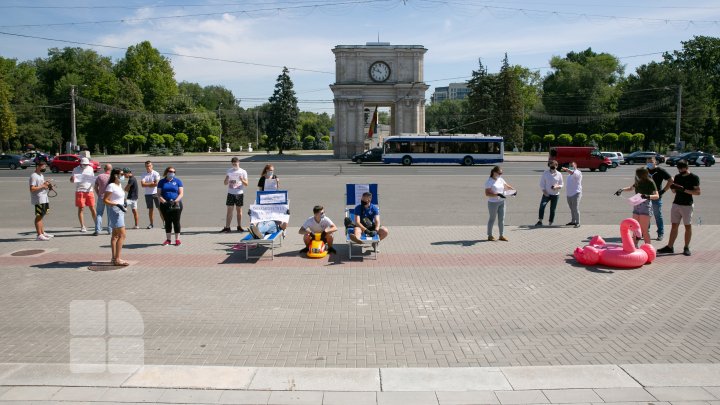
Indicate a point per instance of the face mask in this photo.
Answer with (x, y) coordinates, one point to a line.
(42, 170)
(365, 203)
(269, 174)
(650, 166)
(322, 215)
(171, 175)
(553, 168)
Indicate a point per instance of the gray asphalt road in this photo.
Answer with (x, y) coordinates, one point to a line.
(414, 195)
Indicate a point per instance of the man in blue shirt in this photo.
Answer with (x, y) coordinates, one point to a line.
(367, 220)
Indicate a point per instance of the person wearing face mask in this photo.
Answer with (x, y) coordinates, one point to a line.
(685, 186)
(495, 188)
(84, 196)
(268, 173)
(550, 183)
(236, 180)
(114, 200)
(318, 223)
(647, 190)
(367, 220)
(658, 174)
(171, 193)
(573, 193)
(39, 198)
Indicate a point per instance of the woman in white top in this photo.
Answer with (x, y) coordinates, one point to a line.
(114, 199)
(495, 188)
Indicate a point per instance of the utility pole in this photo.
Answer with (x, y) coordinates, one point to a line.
(257, 136)
(678, 115)
(221, 126)
(73, 133)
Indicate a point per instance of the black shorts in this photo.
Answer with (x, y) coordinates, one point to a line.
(234, 199)
(42, 209)
(151, 199)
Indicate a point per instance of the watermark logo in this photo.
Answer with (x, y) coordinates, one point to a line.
(106, 337)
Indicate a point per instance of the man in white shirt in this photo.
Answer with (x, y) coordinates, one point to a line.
(83, 177)
(550, 183)
(149, 183)
(236, 180)
(573, 193)
(318, 223)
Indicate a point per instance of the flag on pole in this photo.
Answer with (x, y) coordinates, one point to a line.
(373, 124)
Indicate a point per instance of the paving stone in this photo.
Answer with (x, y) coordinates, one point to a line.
(565, 377)
(571, 396)
(30, 394)
(316, 379)
(185, 396)
(133, 394)
(349, 398)
(466, 398)
(406, 398)
(443, 379)
(79, 394)
(522, 397)
(680, 394)
(295, 398)
(624, 394)
(61, 375)
(192, 377)
(244, 397)
(675, 375)
(713, 390)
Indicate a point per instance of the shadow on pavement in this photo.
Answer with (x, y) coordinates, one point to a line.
(593, 269)
(64, 265)
(463, 243)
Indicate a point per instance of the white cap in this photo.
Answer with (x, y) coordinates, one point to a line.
(84, 161)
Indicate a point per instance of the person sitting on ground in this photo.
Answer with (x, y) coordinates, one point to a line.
(367, 220)
(318, 223)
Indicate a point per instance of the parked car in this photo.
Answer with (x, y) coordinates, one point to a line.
(641, 157)
(586, 157)
(372, 155)
(14, 161)
(65, 163)
(615, 157)
(36, 156)
(693, 158)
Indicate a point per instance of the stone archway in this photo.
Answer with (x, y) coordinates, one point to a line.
(377, 74)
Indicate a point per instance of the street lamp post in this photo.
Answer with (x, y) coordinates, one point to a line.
(73, 132)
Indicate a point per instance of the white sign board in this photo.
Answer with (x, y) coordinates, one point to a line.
(275, 212)
(359, 190)
(84, 178)
(273, 198)
(271, 185)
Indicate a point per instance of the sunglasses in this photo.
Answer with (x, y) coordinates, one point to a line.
(171, 171)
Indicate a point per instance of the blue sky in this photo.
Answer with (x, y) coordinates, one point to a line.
(301, 33)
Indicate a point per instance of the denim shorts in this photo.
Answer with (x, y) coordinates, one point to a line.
(116, 218)
(644, 208)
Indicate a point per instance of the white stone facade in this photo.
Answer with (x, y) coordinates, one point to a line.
(354, 90)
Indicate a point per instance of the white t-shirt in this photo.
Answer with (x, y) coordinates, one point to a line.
(117, 194)
(83, 186)
(574, 183)
(315, 227)
(496, 186)
(152, 177)
(41, 196)
(235, 186)
(549, 179)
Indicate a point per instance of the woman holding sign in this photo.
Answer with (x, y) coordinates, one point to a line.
(268, 180)
(496, 188)
(646, 191)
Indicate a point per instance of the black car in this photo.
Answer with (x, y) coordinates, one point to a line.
(693, 158)
(14, 161)
(372, 155)
(35, 157)
(642, 157)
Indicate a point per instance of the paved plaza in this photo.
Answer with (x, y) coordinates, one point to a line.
(442, 316)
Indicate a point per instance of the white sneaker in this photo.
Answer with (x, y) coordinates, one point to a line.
(42, 237)
(83, 229)
(48, 235)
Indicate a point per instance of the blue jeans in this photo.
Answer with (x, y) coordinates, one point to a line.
(100, 208)
(553, 200)
(657, 213)
(267, 227)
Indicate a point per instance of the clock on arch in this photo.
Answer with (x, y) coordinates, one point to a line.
(379, 71)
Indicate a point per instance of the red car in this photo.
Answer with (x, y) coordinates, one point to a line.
(65, 163)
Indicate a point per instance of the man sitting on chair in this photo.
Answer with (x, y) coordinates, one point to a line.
(318, 223)
(367, 220)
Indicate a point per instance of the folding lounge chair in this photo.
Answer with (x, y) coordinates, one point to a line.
(353, 194)
(268, 204)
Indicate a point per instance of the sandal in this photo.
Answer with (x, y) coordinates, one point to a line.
(121, 263)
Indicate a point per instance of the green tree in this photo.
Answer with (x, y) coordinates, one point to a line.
(549, 139)
(283, 114)
(509, 104)
(139, 141)
(638, 139)
(481, 101)
(213, 140)
(168, 140)
(597, 139)
(151, 72)
(200, 143)
(625, 138)
(564, 139)
(447, 116)
(156, 139)
(8, 125)
(182, 138)
(535, 140)
(308, 142)
(610, 139)
(580, 139)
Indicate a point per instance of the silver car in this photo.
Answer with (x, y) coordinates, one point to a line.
(615, 157)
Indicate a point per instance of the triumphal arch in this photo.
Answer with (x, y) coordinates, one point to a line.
(377, 74)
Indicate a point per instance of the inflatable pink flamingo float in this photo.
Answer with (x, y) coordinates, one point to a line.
(625, 255)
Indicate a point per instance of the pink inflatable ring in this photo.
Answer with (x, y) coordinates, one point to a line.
(625, 255)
